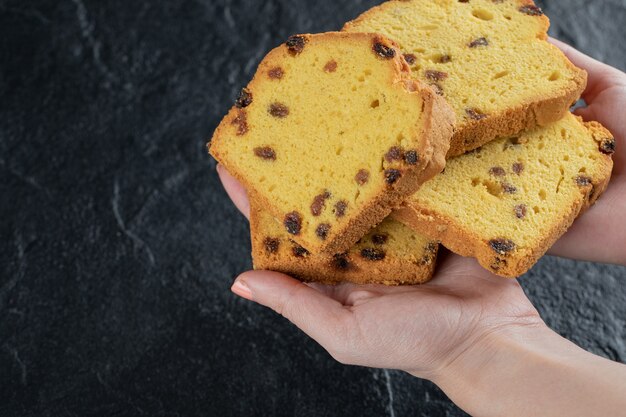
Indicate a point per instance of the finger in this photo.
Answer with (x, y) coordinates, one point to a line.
(454, 272)
(605, 109)
(585, 112)
(324, 319)
(592, 226)
(592, 66)
(235, 191)
(457, 272)
(350, 295)
(600, 75)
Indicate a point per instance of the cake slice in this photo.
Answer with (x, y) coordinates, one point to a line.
(332, 133)
(390, 254)
(507, 202)
(490, 59)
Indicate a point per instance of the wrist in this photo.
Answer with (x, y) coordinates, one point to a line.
(531, 370)
(481, 378)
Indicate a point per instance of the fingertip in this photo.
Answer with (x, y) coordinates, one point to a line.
(583, 112)
(240, 287)
(559, 44)
(261, 282)
(300, 303)
(235, 190)
(459, 271)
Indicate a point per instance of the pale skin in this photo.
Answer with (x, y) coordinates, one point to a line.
(475, 335)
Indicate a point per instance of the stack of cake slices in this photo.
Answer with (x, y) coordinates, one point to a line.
(422, 122)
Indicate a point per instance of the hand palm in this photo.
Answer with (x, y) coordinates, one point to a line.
(415, 328)
(427, 325)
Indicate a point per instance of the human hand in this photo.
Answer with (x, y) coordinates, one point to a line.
(472, 333)
(598, 235)
(418, 329)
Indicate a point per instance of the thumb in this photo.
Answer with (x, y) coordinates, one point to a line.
(321, 317)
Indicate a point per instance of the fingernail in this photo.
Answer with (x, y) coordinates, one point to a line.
(241, 289)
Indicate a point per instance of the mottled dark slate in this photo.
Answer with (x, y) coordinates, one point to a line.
(118, 244)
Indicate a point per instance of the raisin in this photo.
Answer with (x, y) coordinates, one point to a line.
(372, 254)
(592, 193)
(411, 157)
(431, 248)
(607, 146)
(497, 171)
(271, 244)
(340, 208)
(518, 168)
(520, 211)
(475, 114)
(293, 223)
(444, 59)
(266, 153)
(331, 66)
(583, 181)
(319, 202)
(438, 89)
(322, 231)
(531, 10)
(436, 75)
(508, 188)
(384, 51)
(362, 177)
(478, 42)
(340, 262)
(498, 263)
(394, 154)
(296, 43)
(244, 99)
(410, 59)
(278, 110)
(380, 239)
(502, 246)
(276, 73)
(392, 176)
(298, 251)
(241, 121)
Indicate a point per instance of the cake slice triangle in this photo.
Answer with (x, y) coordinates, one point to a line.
(390, 254)
(507, 202)
(490, 59)
(331, 134)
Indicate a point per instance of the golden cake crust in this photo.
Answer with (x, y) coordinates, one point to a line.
(437, 124)
(466, 240)
(512, 121)
(538, 110)
(407, 258)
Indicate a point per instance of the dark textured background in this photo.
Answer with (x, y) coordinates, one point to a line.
(119, 246)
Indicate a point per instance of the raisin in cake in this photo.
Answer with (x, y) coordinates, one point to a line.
(390, 254)
(489, 59)
(331, 133)
(507, 202)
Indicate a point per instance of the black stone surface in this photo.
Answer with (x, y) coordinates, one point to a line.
(119, 245)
